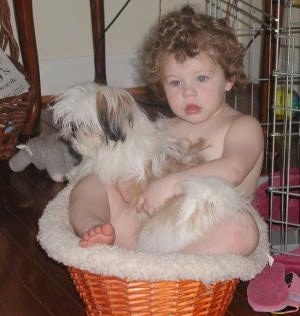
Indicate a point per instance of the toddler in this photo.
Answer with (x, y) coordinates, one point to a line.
(191, 60)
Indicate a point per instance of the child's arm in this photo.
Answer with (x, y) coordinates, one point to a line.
(243, 147)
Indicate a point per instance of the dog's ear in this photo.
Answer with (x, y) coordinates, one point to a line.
(126, 105)
(114, 118)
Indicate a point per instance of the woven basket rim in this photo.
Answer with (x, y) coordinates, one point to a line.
(86, 273)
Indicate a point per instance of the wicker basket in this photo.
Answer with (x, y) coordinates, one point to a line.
(15, 110)
(13, 114)
(104, 295)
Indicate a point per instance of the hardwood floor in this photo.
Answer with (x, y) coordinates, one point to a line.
(31, 284)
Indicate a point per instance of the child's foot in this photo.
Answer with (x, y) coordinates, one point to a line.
(100, 234)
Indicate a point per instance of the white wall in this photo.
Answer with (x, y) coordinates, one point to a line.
(64, 40)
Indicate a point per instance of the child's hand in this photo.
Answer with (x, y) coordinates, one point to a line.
(122, 187)
(129, 190)
(156, 194)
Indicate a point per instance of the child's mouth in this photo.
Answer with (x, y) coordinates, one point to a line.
(192, 109)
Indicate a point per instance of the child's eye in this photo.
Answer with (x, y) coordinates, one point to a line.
(175, 83)
(201, 78)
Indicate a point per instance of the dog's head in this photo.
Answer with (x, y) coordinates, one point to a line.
(107, 127)
(92, 115)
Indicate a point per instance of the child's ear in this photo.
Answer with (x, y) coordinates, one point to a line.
(229, 83)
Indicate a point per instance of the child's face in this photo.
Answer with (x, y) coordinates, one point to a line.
(196, 88)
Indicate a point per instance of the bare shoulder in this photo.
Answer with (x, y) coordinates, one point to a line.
(246, 128)
(248, 120)
(240, 126)
(246, 123)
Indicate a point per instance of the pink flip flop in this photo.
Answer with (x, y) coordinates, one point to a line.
(293, 281)
(268, 291)
(293, 302)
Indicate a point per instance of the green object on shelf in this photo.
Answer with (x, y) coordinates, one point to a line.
(286, 103)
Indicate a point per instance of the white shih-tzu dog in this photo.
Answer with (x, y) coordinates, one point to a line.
(119, 143)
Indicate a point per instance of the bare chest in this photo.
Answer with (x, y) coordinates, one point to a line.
(212, 134)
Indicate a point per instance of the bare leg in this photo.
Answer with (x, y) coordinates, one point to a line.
(233, 236)
(99, 214)
(89, 211)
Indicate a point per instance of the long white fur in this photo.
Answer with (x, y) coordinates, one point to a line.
(204, 202)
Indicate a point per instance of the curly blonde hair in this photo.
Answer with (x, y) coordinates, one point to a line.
(186, 33)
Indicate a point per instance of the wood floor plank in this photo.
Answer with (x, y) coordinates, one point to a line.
(26, 290)
(240, 303)
(26, 243)
(21, 204)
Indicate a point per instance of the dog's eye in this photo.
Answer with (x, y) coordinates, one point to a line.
(130, 120)
(73, 129)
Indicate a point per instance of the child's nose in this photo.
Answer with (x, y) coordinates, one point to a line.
(189, 90)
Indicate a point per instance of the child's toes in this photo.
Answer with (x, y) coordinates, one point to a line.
(107, 230)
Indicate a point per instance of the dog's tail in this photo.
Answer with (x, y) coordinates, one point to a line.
(205, 201)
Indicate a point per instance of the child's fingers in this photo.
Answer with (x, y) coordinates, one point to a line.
(140, 203)
(144, 207)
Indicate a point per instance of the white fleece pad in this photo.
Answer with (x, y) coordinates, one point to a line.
(59, 241)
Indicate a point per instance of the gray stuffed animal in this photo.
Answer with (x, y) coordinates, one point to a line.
(46, 152)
